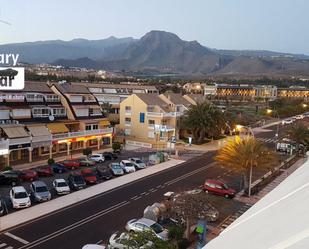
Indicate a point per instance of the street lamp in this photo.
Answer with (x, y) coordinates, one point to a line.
(270, 111)
(305, 105)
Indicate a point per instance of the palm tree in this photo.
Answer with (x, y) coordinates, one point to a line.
(243, 154)
(300, 134)
(203, 120)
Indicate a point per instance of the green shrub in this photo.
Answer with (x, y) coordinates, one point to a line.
(175, 233)
(183, 243)
(116, 146)
(87, 151)
(7, 168)
(50, 161)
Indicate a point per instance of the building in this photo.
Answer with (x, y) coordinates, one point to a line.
(113, 94)
(43, 121)
(210, 90)
(196, 87)
(293, 92)
(151, 118)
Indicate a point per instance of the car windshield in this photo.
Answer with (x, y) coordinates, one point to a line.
(128, 164)
(78, 179)
(41, 189)
(62, 184)
(20, 195)
(225, 186)
(157, 228)
(138, 161)
(88, 174)
(116, 166)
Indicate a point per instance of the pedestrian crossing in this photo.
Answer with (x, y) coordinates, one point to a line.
(5, 246)
(230, 219)
(267, 140)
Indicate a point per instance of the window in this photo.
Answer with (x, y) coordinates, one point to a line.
(150, 109)
(127, 132)
(40, 112)
(151, 122)
(128, 109)
(90, 127)
(142, 117)
(52, 98)
(127, 121)
(59, 112)
(94, 111)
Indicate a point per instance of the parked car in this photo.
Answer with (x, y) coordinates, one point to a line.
(299, 117)
(9, 177)
(127, 166)
(19, 197)
(86, 162)
(138, 163)
(110, 155)
(59, 168)
(28, 175)
(93, 246)
(71, 164)
(39, 191)
(89, 176)
(287, 121)
(116, 169)
(218, 188)
(61, 187)
(76, 181)
(104, 173)
(3, 207)
(144, 224)
(45, 170)
(98, 158)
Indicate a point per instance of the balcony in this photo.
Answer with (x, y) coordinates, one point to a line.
(164, 128)
(4, 144)
(163, 114)
(82, 133)
(17, 141)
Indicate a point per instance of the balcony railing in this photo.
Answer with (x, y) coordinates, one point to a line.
(163, 114)
(82, 133)
(164, 128)
(23, 140)
(4, 144)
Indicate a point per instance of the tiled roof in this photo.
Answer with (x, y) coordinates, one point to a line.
(72, 88)
(152, 99)
(177, 99)
(37, 87)
(117, 86)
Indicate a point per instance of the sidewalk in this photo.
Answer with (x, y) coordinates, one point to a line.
(63, 202)
(34, 164)
(271, 186)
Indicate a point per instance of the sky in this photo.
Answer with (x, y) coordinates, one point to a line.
(277, 25)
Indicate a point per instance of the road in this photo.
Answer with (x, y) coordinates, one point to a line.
(97, 218)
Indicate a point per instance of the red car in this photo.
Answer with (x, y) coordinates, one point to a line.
(218, 188)
(71, 164)
(45, 171)
(89, 176)
(28, 175)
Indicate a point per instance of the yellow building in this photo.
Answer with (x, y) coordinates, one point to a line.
(148, 118)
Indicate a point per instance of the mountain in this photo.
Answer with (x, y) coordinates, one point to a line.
(49, 51)
(159, 52)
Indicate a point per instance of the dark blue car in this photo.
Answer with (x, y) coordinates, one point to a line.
(59, 168)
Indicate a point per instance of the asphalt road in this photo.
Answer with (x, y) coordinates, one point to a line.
(97, 218)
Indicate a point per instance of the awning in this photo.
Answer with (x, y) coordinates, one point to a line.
(15, 131)
(39, 130)
(57, 128)
(105, 122)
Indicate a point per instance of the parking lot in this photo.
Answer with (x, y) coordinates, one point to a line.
(5, 189)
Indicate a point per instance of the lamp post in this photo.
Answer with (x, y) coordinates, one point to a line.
(270, 111)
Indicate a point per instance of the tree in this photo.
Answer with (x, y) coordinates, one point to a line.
(146, 240)
(243, 154)
(106, 107)
(300, 134)
(204, 120)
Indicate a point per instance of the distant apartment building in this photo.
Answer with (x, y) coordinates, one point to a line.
(293, 92)
(152, 118)
(194, 88)
(46, 120)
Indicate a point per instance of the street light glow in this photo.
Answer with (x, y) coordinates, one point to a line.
(269, 111)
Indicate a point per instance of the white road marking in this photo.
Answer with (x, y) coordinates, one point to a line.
(159, 186)
(134, 197)
(16, 238)
(138, 198)
(10, 247)
(74, 225)
(2, 245)
(144, 193)
(153, 190)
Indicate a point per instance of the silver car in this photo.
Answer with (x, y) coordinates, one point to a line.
(39, 191)
(138, 163)
(144, 224)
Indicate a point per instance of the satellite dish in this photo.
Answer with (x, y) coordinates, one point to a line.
(51, 118)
